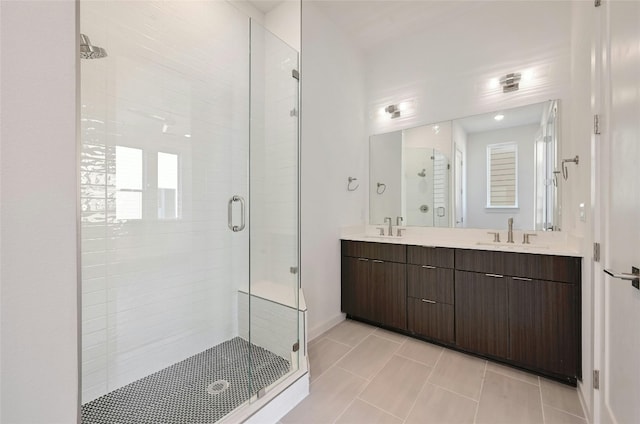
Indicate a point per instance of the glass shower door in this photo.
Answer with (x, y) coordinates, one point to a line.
(274, 274)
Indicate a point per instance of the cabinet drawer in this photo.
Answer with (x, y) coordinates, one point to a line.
(441, 257)
(541, 267)
(433, 320)
(430, 283)
(380, 251)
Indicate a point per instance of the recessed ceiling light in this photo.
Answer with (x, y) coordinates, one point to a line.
(499, 117)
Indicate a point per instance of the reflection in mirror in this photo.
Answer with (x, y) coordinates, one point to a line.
(474, 172)
(426, 175)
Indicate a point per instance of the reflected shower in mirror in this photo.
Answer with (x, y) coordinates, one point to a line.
(473, 172)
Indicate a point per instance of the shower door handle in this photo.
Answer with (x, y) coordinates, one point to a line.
(232, 227)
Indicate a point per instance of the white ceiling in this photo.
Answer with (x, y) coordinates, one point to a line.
(372, 23)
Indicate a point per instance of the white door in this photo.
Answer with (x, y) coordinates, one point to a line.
(618, 349)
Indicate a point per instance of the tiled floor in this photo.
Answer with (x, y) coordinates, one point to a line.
(362, 374)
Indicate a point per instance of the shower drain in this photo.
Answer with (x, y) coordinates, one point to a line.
(217, 387)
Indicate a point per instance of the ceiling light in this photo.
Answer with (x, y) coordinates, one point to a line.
(499, 117)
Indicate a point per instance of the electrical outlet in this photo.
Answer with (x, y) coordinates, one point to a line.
(583, 213)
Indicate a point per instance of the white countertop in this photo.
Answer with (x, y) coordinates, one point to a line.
(544, 242)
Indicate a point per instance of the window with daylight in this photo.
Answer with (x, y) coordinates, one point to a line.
(167, 186)
(502, 175)
(128, 183)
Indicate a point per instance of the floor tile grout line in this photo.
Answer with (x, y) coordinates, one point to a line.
(484, 375)
(504, 374)
(544, 419)
(399, 355)
(334, 364)
(342, 343)
(426, 381)
(512, 378)
(380, 409)
(453, 391)
(562, 410)
(444, 349)
(353, 373)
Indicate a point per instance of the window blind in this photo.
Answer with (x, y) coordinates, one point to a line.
(502, 179)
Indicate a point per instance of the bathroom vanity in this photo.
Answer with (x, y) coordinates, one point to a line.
(520, 308)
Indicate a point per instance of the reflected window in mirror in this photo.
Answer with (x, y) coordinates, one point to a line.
(502, 175)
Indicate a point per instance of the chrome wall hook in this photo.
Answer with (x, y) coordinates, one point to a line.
(352, 179)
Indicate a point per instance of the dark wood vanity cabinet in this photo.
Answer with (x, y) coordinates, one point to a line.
(374, 282)
(543, 325)
(519, 308)
(430, 292)
(482, 313)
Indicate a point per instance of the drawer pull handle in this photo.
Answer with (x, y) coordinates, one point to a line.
(428, 267)
(521, 278)
(428, 301)
(377, 261)
(363, 259)
(494, 275)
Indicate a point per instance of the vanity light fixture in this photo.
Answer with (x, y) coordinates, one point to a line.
(436, 129)
(499, 117)
(393, 110)
(510, 82)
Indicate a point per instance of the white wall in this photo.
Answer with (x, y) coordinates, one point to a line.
(39, 363)
(478, 215)
(447, 74)
(334, 147)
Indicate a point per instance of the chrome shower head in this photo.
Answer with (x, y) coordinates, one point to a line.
(89, 51)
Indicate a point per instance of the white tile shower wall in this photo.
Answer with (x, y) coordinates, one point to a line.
(175, 81)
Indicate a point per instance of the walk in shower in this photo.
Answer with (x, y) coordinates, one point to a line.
(191, 307)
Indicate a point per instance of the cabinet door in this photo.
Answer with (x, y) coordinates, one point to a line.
(430, 319)
(482, 313)
(388, 285)
(542, 327)
(356, 298)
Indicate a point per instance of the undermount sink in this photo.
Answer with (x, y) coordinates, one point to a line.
(510, 246)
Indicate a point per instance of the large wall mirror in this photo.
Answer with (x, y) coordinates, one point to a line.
(472, 172)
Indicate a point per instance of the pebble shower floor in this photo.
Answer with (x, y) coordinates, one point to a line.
(182, 393)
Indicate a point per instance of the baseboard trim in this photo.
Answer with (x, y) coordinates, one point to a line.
(325, 326)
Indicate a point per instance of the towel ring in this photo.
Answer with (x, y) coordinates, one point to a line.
(352, 179)
(381, 185)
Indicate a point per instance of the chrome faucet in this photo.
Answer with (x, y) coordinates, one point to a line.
(390, 225)
(399, 222)
(510, 235)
